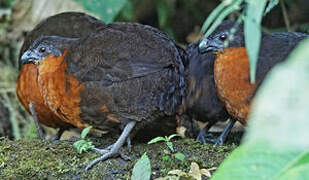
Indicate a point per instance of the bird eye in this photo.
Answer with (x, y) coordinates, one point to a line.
(42, 49)
(223, 37)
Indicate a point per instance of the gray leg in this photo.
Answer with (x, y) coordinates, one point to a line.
(114, 150)
(36, 121)
(225, 132)
(204, 135)
(58, 135)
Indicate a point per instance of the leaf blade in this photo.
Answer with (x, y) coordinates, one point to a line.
(142, 169)
(156, 139)
(252, 30)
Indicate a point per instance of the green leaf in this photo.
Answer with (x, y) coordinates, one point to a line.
(180, 156)
(276, 144)
(157, 139)
(170, 146)
(166, 158)
(232, 7)
(254, 161)
(172, 136)
(83, 145)
(85, 132)
(166, 151)
(142, 169)
(252, 29)
(302, 161)
(270, 6)
(212, 16)
(297, 173)
(107, 9)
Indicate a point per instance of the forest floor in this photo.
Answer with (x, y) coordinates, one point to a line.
(28, 159)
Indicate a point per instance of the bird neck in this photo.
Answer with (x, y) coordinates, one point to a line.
(51, 63)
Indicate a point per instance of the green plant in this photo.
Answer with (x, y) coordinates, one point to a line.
(167, 140)
(83, 145)
(142, 169)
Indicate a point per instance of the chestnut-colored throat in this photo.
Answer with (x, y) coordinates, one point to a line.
(61, 91)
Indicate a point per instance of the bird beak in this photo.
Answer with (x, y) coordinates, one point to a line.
(29, 57)
(206, 46)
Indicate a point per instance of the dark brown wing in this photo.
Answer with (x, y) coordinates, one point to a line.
(132, 70)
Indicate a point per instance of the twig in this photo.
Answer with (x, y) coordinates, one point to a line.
(285, 15)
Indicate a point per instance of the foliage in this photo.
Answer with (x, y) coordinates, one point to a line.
(281, 149)
(142, 169)
(83, 145)
(252, 28)
(169, 144)
(166, 139)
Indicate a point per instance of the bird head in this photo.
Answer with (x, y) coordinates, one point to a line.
(46, 46)
(222, 37)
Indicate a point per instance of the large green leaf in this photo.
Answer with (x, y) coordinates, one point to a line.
(297, 173)
(299, 165)
(142, 169)
(276, 145)
(254, 161)
(107, 9)
(252, 28)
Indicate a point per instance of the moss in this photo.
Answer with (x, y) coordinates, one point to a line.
(25, 159)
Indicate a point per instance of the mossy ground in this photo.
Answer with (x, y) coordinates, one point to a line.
(33, 159)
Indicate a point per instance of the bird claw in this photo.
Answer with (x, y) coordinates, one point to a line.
(203, 137)
(211, 140)
(219, 141)
(113, 150)
(124, 157)
(107, 154)
(102, 151)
